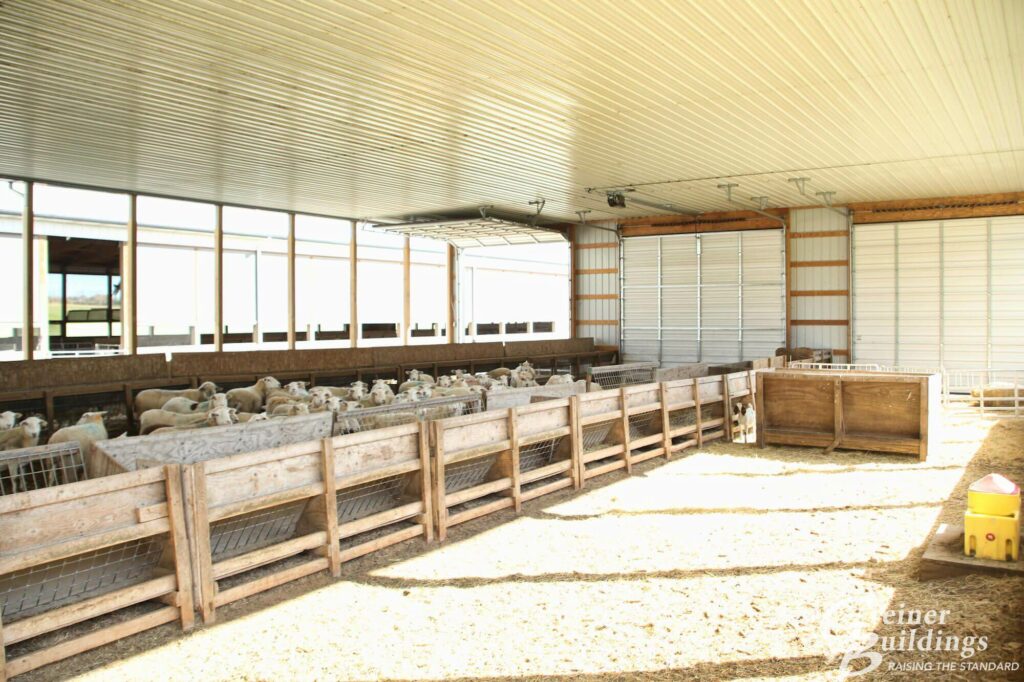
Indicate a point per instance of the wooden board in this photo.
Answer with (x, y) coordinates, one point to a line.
(945, 558)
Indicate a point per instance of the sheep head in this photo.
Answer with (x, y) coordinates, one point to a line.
(8, 419)
(268, 383)
(222, 416)
(32, 426)
(413, 374)
(358, 391)
(207, 389)
(218, 400)
(296, 388)
(333, 404)
(444, 381)
(91, 418)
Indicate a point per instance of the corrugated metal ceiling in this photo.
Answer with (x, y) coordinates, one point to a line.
(383, 108)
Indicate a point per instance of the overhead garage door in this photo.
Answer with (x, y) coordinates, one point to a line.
(703, 298)
(940, 294)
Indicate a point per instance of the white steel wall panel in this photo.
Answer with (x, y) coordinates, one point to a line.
(918, 284)
(1006, 336)
(721, 298)
(931, 294)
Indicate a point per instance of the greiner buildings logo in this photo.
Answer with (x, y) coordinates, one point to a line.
(928, 632)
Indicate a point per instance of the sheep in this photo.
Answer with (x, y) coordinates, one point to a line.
(323, 391)
(186, 406)
(746, 416)
(154, 419)
(357, 391)
(444, 382)
(556, 379)
(88, 430)
(24, 435)
(318, 402)
(246, 417)
(347, 424)
(290, 410)
(250, 398)
(381, 393)
(417, 375)
(156, 398)
(221, 416)
(8, 419)
(275, 401)
(499, 372)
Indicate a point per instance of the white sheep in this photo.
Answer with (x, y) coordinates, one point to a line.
(156, 398)
(499, 372)
(417, 375)
(150, 420)
(24, 435)
(251, 398)
(444, 381)
(245, 417)
(747, 418)
(221, 416)
(8, 419)
(557, 379)
(185, 406)
(290, 410)
(381, 393)
(88, 430)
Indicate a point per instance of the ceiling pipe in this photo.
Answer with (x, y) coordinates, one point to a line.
(762, 201)
(647, 203)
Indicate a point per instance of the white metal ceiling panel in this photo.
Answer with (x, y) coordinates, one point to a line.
(389, 108)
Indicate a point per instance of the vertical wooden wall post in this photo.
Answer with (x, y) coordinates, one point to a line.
(353, 314)
(513, 439)
(576, 441)
(426, 488)
(452, 294)
(572, 285)
(789, 286)
(291, 281)
(406, 291)
(330, 506)
(626, 436)
(28, 228)
(697, 408)
(666, 429)
(727, 409)
(759, 416)
(179, 540)
(218, 274)
(130, 282)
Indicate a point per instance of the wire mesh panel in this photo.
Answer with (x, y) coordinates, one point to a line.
(369, 498)
(43, 466)
(536, 455)
(467, 474)
(595, 436)
(616, 376)
(646, 424)
(59, 583)
(688, 416)
(383, 416)
(247, 532)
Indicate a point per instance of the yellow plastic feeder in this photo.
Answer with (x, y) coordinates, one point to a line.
(992, 521)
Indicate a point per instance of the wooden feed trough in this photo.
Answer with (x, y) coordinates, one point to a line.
(545, 435)
(84, 550)
(615, 376)
(601, 434)
(383, 488)
(474, 457)
(250, 510)
(884, 412)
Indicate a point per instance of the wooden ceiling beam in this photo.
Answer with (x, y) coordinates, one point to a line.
(721, 221)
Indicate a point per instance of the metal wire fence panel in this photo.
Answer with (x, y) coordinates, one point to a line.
(383, 416)
(468, 473)
(59, 583)
(536, 455)
(248, 532)
(369, 498)
(615, 376)
(43, 466)
(595, 436)
(688, 416)
(646, 424)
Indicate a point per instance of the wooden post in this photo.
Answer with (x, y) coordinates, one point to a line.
(513, 439)
(625, 430)
(727, 409)
(406, 291)
(130, 282)
(218, 280)
(759, 409)
(441, 508)
(426, 489)
(576, 442)
(28, 225)
(452, 294)
(789, 286)
(204, 561)
(330, 506)
(697, 408)
(291, 282)
(572, 286)
(665, 426)
(922, 453)
(179, 541)
(353, 315)
(837, 414)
